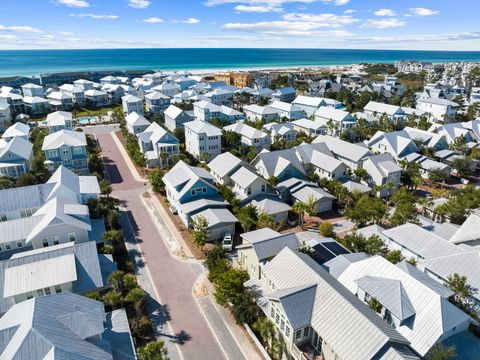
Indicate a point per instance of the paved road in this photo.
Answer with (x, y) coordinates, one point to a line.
(172, 279)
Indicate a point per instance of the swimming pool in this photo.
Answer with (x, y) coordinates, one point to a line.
(88, 120)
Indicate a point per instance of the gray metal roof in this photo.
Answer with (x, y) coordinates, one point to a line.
(349, 326)
(343, 148)
(318, 194)
(88, 272)
(57, 326)
(224, 164)
(297, 303)
(338, 264)
(245, 177)
(217, 217)
(269, 205)
(64, 137)
(469, 230)
(390, 293)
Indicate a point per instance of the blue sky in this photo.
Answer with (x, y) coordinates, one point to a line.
(362, 24)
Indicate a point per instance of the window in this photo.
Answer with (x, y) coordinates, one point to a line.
(39, 292)
(19, 244)
(71, 237)
(3, 217)
(78, 150)
(47, 291)
(282, 325)
(272, 312)
(298, 335)
(8, 246)
(277, 318)
(56, 240)
(58, 289)
(306, 331)
(44, 242)
(287, 331)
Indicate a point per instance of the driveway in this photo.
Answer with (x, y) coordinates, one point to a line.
(173, 279)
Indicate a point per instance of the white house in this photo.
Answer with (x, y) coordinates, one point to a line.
(397, 143)
(338, 120)
(156, 102)
(287, 110)
(76, 92)
(36, 105)
(202, 138)
(131, 104)
(84, 84)
(309, 127)
(18, 129)
(60, 100)
(377, 109)
(350, 154)
(167, 89)
(382, 169)
(220, 96)
(176, 117)
(136, 123)
(32, 90)
(282, 131)
(247, 184)
(223, 166)
(158, 145)
(15, 156)
(59, 120)
(286, 94)
(206, 110)
(261, 113)
(250, 135)
(438, 109)
(96, 98)
(310, 104)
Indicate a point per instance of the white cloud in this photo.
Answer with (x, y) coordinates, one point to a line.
(422, 12)
(153, 20)
(288, 28)
(95, 16)
(191, 21)
(260, 2)
(139, 4)
(327, 20)
(385, 12)
(336, 2)
(258, 8)
(65, 33)
(21, 29)
(74, 3)
(383, 23)
(8, 38)
(351, 11)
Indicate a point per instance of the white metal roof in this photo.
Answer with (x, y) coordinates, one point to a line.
(64, 138)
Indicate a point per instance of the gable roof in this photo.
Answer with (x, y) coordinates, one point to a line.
(267, 243)
(135, 119)
(381, 108)
(352, 329)
(245, 177)
(246, 130)
(275, 162)
(337, 115)
(18, 146)
(469, 230)
(224, 164)
(17, 129)
(203, 127)
(64, 138)
(343, 148)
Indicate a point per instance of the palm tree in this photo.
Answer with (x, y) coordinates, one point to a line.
(105, 188)
(299, 209)
(113, 298)
(277, 348)
(115, 280)
(136, 297)
(163, 155)
(154, 350)
(266, 329)
(6, 182)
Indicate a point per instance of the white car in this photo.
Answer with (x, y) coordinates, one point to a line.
(227, 242)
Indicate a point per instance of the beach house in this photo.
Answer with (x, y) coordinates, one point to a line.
(202, 139)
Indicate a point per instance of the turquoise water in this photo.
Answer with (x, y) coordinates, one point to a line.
(32, 62)
(86, 121)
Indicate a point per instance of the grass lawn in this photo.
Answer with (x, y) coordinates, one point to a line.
(94, 111)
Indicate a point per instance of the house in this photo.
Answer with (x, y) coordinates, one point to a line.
(428, 165)
(16, 130)
(221, 96)
(36, 105)
(231, 115)
(382, 169)
(260, 246)
(176, 117)
(350, 154)
(281, 164)
(250, 135)
(286, 94)
(287, 110)
(115, 92)
(191, 193)
(377, 110)
(96, 98)
(158, 145)
(22, 202)
(60, 100)
(17, 106)
(246, 183)
(15, 157)
(323, 200)
(261, 113)
(5, 113)
(59, 120)
(32, 90)
(468, 232)
(185, 82)
(334, 119)
(202, 138)
(67, 148)
(319, 159)
(397, 143)
(136, 123)
(438, 109)
(84, 84)
(426, 138)
(131, 103)
(55, 326)
(271, 205)
(331, 322)
(309, 127)
(156, 102)
(77, 93)
(167, 89)
(223, 166)
(411, 303)
(206, 111)
(281, 132)
(453, 132)
(310, 104)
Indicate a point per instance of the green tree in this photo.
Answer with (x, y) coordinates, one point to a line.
(462, 166)
(458, 144)
(113, 237)
(365, 210)
(458, 284)
(245, 310)
(115, 280)
(216, 263)
(441, 352)
(266, 329)
(136, 297)
(156, 180)
(437, 175)
(361, 174)
(411, 176)
(105, 188)
(326, 229)
(394, 256)
(231, 140)
(299, 209)
(26, 180)
(113, 298)
(200, 231)
(372, 245)
(374, 304)
(273, 181)
(6, 182)
(155, 350)
(405, 209)
(229, 286)
(265, 221)
(247, 217)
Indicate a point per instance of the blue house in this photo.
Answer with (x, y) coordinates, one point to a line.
(67, 148)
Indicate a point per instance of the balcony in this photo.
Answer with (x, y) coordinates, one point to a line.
(305, 351)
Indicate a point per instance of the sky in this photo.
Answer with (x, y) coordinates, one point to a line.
(344, 24)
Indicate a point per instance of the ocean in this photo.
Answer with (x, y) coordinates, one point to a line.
(34, 62)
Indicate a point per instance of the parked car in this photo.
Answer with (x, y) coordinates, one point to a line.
(227, 242)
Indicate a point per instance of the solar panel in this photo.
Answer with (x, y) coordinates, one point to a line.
(321, 254)
(336, 248)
